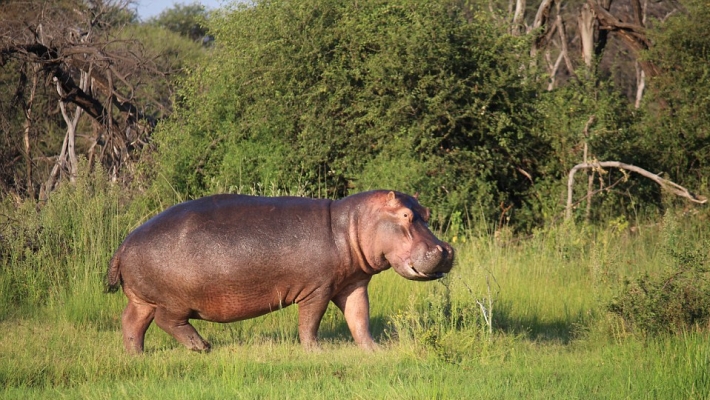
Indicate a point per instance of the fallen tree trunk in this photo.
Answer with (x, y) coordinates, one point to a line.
(665, 183)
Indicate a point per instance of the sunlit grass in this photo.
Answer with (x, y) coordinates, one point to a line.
(48, 360)
(550, 337)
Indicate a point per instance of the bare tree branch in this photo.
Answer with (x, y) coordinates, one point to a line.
(541, 18)
(563, 44)
(664, 183)
(76, 40)
(518, 18)
(27, 128)
(585, 22)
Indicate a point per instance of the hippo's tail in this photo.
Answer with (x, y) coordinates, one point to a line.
(113, 275)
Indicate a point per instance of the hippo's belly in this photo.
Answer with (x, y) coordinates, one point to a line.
(225, 303)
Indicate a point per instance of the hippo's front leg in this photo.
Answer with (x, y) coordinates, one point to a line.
(353, 301)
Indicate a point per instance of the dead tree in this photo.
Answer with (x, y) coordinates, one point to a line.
(73, 46)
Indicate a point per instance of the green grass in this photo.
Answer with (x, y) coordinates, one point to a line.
(552, 336)
(42, 360)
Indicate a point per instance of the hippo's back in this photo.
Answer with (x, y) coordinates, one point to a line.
(245, 222)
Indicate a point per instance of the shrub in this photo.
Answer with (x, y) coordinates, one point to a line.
(673, 301)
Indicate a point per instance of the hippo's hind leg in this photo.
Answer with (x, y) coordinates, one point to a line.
(309, 317)
(135, 321)
(177, 325)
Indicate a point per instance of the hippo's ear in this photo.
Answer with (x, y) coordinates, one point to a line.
(416, 196)
(391, 198)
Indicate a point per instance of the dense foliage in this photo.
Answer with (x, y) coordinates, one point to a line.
(674, 131)
(329, 97)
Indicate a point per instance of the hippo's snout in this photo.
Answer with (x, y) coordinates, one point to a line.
(442, 252)
(443, 258)
(429, 263)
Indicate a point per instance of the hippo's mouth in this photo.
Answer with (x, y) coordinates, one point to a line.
(416, 275)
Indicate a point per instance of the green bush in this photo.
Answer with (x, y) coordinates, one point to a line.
(673, 131)
(337, 96)
(672, 301)
(566, 112)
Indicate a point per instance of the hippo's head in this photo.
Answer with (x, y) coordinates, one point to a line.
(402, 237)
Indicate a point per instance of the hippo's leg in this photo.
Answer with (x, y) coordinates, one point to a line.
(135, 321)
(353, 301)
(177, 325)
(309, 316)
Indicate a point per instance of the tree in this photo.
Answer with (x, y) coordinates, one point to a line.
(608, 34)
(186, 20)
(83, 52)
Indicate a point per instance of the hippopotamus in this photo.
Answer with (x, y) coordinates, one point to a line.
(228, 257)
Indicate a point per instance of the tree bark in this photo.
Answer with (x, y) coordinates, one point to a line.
(640, 85)
(553, 70)
(563, 44)
(640, 15)
(543, 13)
(26, 133)
(590, 177)
(518, 18)
(585, 21)
(541, 18)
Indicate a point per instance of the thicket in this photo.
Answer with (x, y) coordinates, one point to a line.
(80, 78)
(332, 97)
(673, 131)
(327, 97)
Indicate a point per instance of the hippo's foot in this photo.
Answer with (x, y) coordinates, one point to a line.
(200, 345)
(369, 346)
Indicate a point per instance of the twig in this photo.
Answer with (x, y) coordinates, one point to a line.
(487, 312)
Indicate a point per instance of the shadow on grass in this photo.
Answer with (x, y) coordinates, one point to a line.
(341, 332)
(221, 335)
(533, 328)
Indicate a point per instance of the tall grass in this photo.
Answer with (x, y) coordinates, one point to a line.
(546, 295)
(56, 253)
